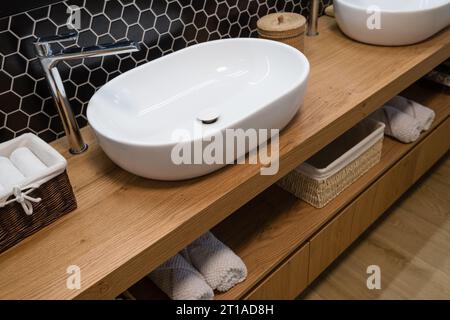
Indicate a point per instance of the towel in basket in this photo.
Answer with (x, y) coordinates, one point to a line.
(36, 200)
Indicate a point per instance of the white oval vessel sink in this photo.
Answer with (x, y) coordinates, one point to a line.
(401, 22)
(233, 83)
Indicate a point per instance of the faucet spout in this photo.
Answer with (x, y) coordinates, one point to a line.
(49, 61)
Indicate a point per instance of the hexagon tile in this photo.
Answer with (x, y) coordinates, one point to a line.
(161, 26)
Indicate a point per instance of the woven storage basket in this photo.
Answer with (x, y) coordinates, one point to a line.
(57, 197)
(331, 170)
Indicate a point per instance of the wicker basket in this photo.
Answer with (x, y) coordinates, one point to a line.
(55, 193)
(330, 171)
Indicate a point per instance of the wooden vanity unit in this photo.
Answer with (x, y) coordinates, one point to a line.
(125, 226)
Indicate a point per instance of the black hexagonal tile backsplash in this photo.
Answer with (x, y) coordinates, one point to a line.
(161, 26)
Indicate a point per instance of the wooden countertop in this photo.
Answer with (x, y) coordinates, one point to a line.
(126, 226)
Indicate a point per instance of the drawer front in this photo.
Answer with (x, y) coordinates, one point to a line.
(335, 237)
(330, 242)
(286, 282)
(383, 193)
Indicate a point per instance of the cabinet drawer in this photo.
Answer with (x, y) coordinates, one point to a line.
(397, 180)
(408, 170)
(330, 242)
(287, 281)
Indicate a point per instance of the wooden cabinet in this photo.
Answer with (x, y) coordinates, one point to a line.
(305, 265)
(268, 244)
(337, 235)
(287, 281)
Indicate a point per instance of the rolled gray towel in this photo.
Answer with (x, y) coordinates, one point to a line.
(180, 281)
(425, 116)
(399, 125)
(220, 266)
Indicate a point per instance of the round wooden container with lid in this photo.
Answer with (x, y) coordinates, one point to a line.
(286, 27)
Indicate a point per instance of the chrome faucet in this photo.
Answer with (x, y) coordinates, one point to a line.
(49, 61)
(313, 18)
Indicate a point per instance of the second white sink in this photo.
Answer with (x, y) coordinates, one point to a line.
(232, 83)
(401, 22)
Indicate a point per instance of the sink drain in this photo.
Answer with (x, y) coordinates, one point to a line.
(208, 116)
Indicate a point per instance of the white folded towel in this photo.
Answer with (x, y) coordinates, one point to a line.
(220, 266)
(2, 189)
(180, 280)
(399, 125)
(10, 176)
(425, 116)
(27, 162)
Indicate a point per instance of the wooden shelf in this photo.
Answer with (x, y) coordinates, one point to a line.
(275, 224)
(126, 226)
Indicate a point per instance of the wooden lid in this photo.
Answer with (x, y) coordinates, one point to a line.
(281, 25)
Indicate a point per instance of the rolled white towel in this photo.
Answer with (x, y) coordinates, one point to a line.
(220, 266)
(425, 116)
(27, 162)
(399, 125)
(180, 281)
(10, 176)
(2, 189)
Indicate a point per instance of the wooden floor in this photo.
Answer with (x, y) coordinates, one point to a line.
(410, 244)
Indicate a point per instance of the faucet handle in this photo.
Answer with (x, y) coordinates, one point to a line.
(57, 38)
(42, 45)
